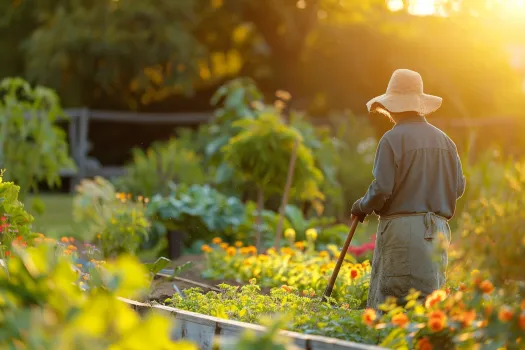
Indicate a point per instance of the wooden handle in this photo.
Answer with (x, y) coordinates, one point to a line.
(340, 260)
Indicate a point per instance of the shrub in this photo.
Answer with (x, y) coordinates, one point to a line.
(15, 222)
(493, 228)
(43, 306)
(112, 219)
(32, 147)
(152, 171)
(200, 211)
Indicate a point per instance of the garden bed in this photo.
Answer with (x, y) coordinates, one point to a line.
(204, 329)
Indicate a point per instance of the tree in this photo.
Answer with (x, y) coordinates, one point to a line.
(261, 152)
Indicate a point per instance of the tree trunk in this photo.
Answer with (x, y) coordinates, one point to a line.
(286, 193)
(260, 208)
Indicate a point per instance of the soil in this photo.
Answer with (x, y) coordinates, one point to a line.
(164, 287)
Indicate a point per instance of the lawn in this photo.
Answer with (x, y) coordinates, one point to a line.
(57, 219)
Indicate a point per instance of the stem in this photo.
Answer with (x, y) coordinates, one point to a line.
(291, 169)
(260, 208)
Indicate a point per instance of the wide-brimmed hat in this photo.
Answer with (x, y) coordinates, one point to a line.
(405, 94)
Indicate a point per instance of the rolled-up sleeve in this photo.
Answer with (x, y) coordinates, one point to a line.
(462, 182)
(384, 176)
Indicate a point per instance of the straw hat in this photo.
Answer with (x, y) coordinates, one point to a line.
(405, 94)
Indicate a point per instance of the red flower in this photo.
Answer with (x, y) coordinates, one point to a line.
(3, 218)
(7, 254)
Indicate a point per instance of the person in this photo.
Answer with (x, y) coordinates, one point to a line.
(418, 179)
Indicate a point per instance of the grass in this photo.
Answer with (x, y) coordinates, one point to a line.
(57, 218)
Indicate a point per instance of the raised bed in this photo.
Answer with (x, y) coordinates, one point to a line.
(203, 329)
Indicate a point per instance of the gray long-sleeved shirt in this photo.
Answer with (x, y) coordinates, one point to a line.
(417, 170)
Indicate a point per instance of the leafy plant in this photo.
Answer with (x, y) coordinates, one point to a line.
(151, 171)
(297, 266)
(261, 152)
(44, 307)
(198, 210)
(308, 315)
(493, 226)
(15, 222)
(112, 219)
(32, 147)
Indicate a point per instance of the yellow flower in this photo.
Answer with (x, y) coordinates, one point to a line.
(324, 254)
(224, 245)
(252, 250)
(311, 234)
(436, 297)
(217, 240)
(289, 234)
(238, 244)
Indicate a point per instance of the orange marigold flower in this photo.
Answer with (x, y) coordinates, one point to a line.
(206, 248)
(286, 288)
(231, 251)
(523, 304)
(324, 254)
(85, 277)
(71, 239)
(64, 240)
(224, 246)
(354, 273)
(462, 287)
(505, 314)
(437, 320)
(252, 250)
(400, 320)
(71, 247)
(434, 298)
(486, 287)
(521, 321)
(244, 251)
(41, 235)
(305, 293)
(369, 316)
(246, 262)
(424, 344)
(217, 240)
(466, 318)
(238, 244)
(299, 245)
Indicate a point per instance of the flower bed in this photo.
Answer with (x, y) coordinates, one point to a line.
(298, 266)
(462, 319)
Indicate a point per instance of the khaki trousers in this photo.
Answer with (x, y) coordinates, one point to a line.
(410, 253)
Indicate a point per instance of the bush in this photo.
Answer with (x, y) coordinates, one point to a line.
(32, 147)
(15, 222)
(152, 171)
(113, 220)
(493, 227)
(199, 211)
(44, 307)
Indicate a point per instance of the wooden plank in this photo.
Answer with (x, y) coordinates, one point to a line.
(147, 118)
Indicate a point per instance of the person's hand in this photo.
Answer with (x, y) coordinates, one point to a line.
(356, 211)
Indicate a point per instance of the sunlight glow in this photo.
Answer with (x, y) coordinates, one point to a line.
(506, 8)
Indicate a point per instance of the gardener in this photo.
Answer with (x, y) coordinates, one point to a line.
(418, 179)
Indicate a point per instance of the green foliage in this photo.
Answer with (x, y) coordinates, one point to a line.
(15, 221)
(200, 211)
(354, 161)
(110, 218)
(43, 306)
(238, 98)
(152, 171)
(32, 147)
(493, 227)
(298, 266)
(261, 152)
(248, 304)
